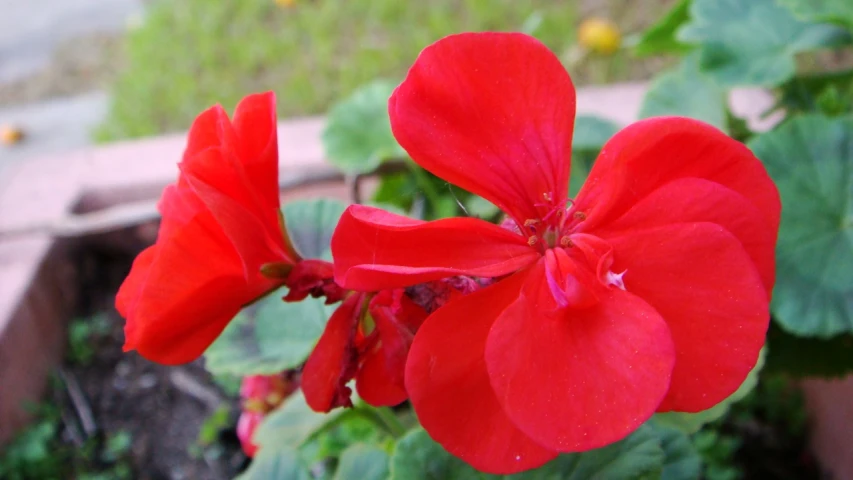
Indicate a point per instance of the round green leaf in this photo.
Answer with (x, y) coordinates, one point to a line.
(591, 133)
(809, 357)
(811, 160)
(753, 42)
(310, 224)
(682, 460)
(268, 337)
(276, 463)
(639, 455)
(660, 37)
(357, 137)
(835, 11)
(293, 423)
(362, 462)
(417, 457)
(686, 91)
(691, 422)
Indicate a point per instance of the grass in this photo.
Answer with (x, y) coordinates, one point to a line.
(190, 54)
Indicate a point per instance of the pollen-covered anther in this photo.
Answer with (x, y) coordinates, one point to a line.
(548, 196)
(566, 242)
(580, 216)
(532, 240)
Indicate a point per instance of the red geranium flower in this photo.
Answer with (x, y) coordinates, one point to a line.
(221, 224)
(648, 292)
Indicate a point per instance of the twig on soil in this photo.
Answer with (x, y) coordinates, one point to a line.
(186, 383)
(78, 400)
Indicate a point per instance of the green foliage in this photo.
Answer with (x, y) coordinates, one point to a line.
(276, 463)
(591, 133)
(692, 422)
(293, 424)
(660, 37)
(82, 333)
(809, 357)
(39, 453)
(357, 137)
(717, 451)
(752, 42)
(268, 337)
(191, 54)
(828, 93)
(836, 11)
(310, 224)
(811, 160)
(682, 461)
(640, 455)
(362, 462)
(686, 91)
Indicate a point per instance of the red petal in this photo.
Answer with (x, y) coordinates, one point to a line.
(579, 378)
(376, 250)
(449, 386)
(492, 113)
(258, 240)
(205, 131)
(702, 282)
(257, 149)
(333, 362)
(691, 200)
(246, 426)
(181, 293)
(650, 153)
(380, 380)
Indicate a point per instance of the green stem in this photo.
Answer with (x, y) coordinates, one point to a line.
(384, 418)
(423, 182)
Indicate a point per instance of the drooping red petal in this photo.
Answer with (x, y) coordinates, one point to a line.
(492, 113)
(705, 286)
(376, 250)
(450, 390)
(334, 360)
(380, 380)
(575, 379)
(652, 152)
(205, 131)
(691, 200)
(246, 426)
(180, 294)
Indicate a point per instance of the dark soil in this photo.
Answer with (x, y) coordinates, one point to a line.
(162, 408)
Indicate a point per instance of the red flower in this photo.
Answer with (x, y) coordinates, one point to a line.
(261, 394)
(221, 224)
(367, 338)
(648, 292)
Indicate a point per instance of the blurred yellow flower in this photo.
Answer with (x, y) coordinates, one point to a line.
(285, 3)
(599, 35)
(10, 134)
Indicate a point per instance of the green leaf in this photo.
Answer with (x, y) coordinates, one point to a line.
(835, 11)
(591, 133)
(479, 207)
(276, 463)
(417, 457)
(310, 224)
(811, 160)
(294, 423)
(682, 460)
(686, 91)
(357, 137)
(753, 42)
(660, 37)
(362, 462)
(691, 422)
(269, 336)
(809, 357)
(830, 93)
(640, 455)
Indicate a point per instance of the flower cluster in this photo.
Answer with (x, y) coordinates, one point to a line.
(563, 329)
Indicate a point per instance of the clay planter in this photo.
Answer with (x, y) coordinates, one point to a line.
(108, 195)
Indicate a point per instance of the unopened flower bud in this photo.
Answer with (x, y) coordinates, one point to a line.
(599, 35)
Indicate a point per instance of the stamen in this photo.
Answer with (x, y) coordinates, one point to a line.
(580, 216)
(532, 240)
(530, 221)
(566, 242)
(548, 196)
